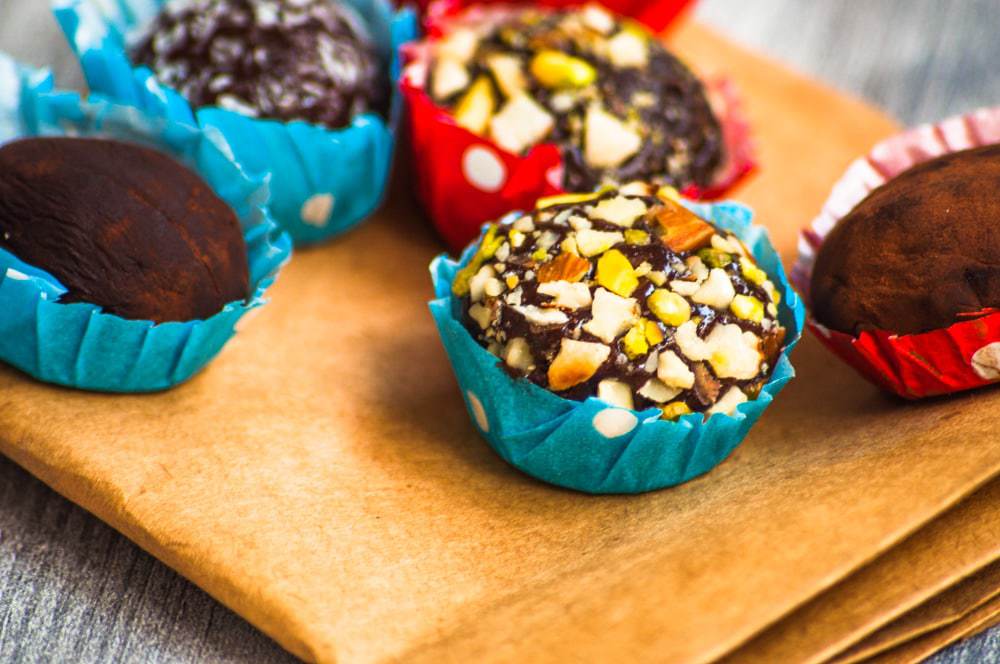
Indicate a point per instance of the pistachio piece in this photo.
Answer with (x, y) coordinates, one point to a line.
(675, 409)
(476, 107)
(669, 307)
(751, 272)
(565, 199)
(713, 257)
(748, 308)
(634, 342)
(615, 272)
(636, 237)
(555, 69)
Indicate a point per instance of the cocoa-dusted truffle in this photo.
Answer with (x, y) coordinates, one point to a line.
(625, 296)
(288, 60)
(919, 253)
(618, 104)
(121, 226)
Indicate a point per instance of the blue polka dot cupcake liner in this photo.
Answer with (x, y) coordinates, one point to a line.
(79, 345)
(589, 445)
(323, 181)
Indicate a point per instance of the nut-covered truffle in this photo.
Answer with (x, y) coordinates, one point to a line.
(627, 296)
(288, 60)
(618, 104)
(121, 226)
(919, 253)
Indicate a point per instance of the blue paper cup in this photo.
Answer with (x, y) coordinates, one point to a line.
(323, 181)
(79, 345)
(591, 446)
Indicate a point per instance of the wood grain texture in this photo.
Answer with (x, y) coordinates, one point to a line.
(72, 589)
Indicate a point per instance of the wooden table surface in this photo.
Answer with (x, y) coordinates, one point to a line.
(72, 589)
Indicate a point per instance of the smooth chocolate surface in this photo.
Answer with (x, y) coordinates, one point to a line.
(305, 60)
(919, 253)
(121, 226)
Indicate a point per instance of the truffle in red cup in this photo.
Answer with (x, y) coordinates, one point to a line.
(511, 102)
(899, 269)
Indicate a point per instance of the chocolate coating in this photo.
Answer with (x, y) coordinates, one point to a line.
(681, 139)
(917, 253)
(121, 226)
(305, 60)
(537, 281)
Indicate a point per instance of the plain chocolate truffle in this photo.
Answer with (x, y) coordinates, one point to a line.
(121, 226)
(919, 253)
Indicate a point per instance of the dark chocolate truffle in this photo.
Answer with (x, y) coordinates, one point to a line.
(919, 253)
(121, 226)
(287, 60)
(619, 105)
(625, 296)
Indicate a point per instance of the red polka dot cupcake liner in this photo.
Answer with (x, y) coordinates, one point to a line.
(465, 180)
(963, 356)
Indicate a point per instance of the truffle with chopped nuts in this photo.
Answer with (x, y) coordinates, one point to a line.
(918, 253)
(121, 226)
(627, 296)
(307, 60)
(618, 104)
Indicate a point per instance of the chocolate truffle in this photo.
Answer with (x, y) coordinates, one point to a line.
(919, 253)
(626, 296)
(618, 104)
(121, 226)
(287, 60)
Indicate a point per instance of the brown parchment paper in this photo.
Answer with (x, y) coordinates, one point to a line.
(917, 650)
(905, 577)
(943, 610)
(323, 480)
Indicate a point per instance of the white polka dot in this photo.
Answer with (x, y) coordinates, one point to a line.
(483, 169)
(986, 361)
(614, 422)
(478, 412)
(16, 275)
(554, 176)
(316, 211)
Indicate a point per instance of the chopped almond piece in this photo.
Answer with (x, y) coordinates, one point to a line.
(682, 230)
(564, 267)
(576, 363)
(771, 344)
(706, 386)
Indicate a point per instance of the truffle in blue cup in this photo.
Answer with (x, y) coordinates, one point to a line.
(53, 330)
(302, 91)
(620, 341)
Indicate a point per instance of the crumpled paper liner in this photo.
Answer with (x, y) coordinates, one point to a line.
(78, 345)
(465, 180)
(590, 446)
(962, 356)
(323, 181)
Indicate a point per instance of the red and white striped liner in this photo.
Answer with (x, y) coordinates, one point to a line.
(962, 356)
